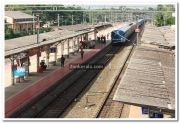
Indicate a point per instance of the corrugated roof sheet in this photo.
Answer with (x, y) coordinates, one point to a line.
(149, 79)
(17, 14)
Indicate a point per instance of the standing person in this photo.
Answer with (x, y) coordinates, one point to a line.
(101, 38)
(82, 53)
(62, 61)
(107, 35)
(104, 39)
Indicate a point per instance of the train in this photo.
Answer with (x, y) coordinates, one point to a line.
(121, 35)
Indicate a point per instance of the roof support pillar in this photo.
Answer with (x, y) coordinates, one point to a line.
(28, 63)
(68, 48)
(95, 34)
(55, 55)
(12, 70)
(78, 42)
(38, 54)
(47, 59)
(74, 45)
(62, 48)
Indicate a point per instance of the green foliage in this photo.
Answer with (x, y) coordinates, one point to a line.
(52, 16)
(9, 34)
(165, 17)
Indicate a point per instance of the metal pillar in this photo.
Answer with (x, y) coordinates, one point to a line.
(87, 36)
(68, 48)
(95, 34)
(78, 42)
(58, 20)
(74, 43)
(72, 20)
(47, 59)
(38, 29)
(55, 56)
(62, 20)
(27, 28)
(33, 25)
(28, 62)
(12, 70)
(37, 61)
(81, 37)
(62, 48)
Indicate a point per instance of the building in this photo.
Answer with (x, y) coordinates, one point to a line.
(19, 21)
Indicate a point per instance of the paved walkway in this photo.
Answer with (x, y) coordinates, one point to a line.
(20, 94)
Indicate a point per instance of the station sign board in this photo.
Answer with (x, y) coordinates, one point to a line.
(53, 49)
(145, 110)
(155, 115)
(20, 71)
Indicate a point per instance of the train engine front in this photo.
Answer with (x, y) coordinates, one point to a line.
(121, 35)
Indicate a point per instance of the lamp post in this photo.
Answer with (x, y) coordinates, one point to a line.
(33, 25)
(37, 27)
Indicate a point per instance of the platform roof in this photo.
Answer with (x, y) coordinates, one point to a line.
(22, 44)
(17, 14)
(149, 80)
(15, 46)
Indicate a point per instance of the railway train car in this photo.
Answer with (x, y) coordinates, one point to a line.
(121, 35)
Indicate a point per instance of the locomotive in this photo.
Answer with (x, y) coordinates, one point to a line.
(121, 35)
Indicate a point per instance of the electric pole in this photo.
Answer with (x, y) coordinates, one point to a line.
(58, 20)
(72, 20)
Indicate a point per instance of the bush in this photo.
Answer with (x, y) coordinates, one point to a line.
(9, 34)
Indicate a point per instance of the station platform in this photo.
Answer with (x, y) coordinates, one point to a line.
(20, 94)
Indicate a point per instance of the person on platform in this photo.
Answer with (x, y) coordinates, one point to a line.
(62, 61)
(43, 65)
(107, 35)
(104, 39)
(82, 53)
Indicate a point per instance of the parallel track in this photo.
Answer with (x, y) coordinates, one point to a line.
(53, 103)
(110, 108)
(56, 99)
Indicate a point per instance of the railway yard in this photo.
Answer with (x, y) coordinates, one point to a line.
(135, 75)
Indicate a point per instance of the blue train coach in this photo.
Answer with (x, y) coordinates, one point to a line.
(121, 35)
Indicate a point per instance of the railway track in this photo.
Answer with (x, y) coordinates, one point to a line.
(54, 101)
(110, 108)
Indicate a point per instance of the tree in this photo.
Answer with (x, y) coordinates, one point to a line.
(165, 16)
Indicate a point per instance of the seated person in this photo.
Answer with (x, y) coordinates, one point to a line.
(43, 65)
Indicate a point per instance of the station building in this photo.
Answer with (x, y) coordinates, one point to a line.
(19, 21)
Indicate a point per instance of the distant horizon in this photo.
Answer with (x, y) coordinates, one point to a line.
(135, 6)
